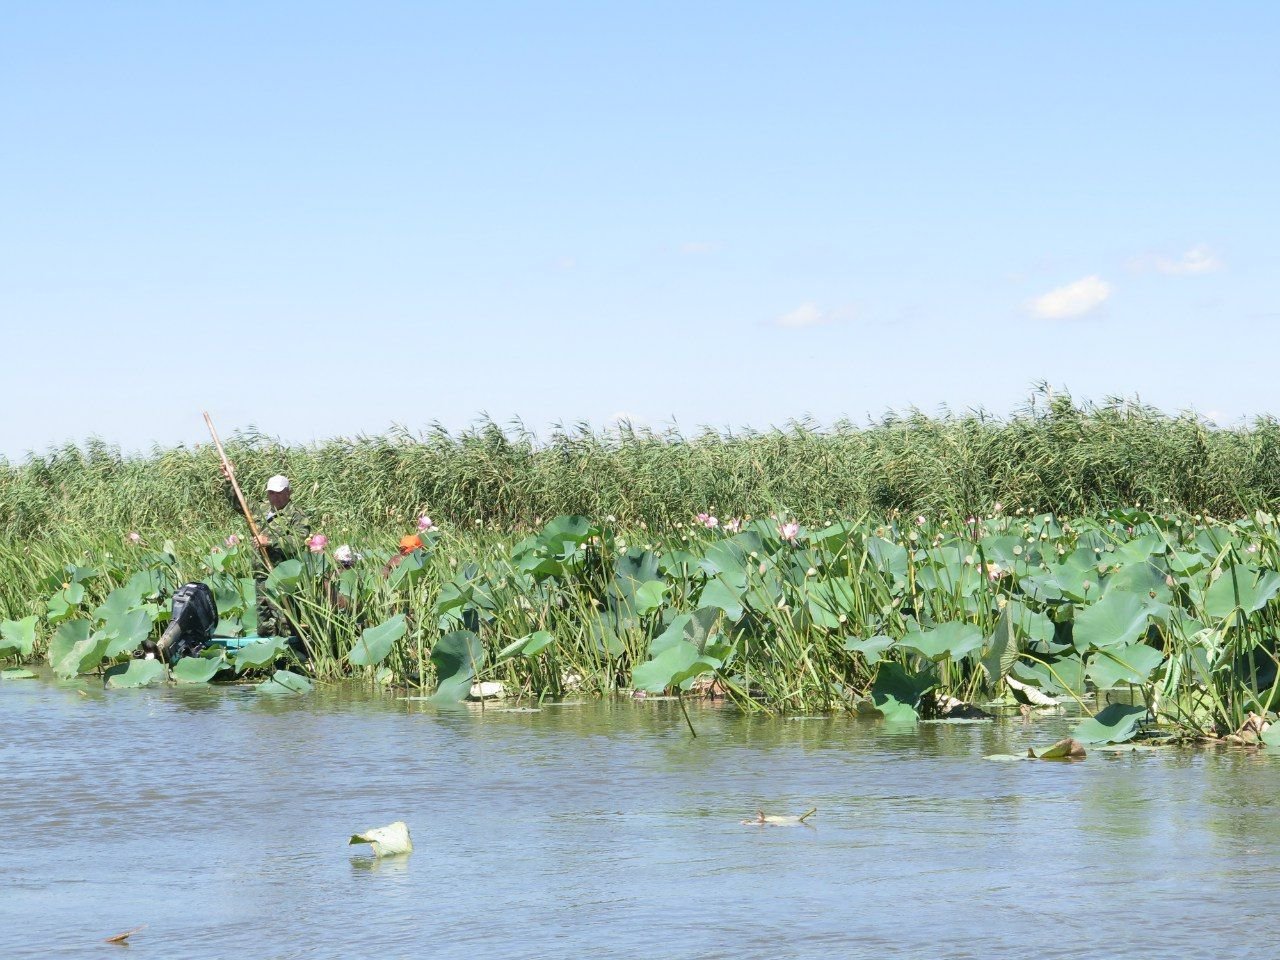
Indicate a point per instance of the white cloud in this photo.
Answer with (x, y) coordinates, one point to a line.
(808, 314)
(694, 248)
(1199, 259)
(1073, 300)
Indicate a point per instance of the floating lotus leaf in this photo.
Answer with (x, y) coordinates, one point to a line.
(285, 681)
(1116, 724)
(1066, 749)
(136, 673)
(197, 669)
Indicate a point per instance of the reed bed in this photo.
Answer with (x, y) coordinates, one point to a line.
(1054, 455)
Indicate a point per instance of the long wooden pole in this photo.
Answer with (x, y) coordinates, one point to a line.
(231, 475)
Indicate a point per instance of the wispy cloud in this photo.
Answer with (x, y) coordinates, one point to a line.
(1199, 259)
(808, 314)
(694, 248)
(1073, 300)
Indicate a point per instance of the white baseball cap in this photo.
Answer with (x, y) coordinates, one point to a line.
(278, 484)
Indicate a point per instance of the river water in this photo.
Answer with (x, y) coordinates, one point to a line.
(219, 818)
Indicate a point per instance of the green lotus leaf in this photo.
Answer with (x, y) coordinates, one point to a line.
(286, 682)
(376, 642)
(1117, 618)
(197, 669)
(661, 672)
(954, 640)
(871, 648)
(260, 654)
(456, 657)
(1122, 664)
(17, 637)
(136, 673)
(1249, 589)
(1118, 723)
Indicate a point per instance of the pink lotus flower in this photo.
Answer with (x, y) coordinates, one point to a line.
(734, 525)
(921, 521)
(789, 531)
(708, 521)
(317, 542)
(426, 524)
(134, 536)
(995, 572)
(232, 540)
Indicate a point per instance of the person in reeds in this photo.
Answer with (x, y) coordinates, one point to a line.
(283, 527)
(408, 543)
(283, 534)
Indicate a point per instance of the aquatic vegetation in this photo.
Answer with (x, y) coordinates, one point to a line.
(1172, 617)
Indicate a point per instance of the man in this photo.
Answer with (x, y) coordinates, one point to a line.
(282, 526)
(283, 529)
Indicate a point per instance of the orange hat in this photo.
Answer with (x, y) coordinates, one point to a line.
(410, 542)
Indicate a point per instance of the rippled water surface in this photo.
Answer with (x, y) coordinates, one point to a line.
(219, 818)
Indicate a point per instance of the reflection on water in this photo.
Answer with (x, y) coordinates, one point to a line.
(220, 819)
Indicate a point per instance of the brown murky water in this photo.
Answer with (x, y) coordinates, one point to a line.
(219, 818)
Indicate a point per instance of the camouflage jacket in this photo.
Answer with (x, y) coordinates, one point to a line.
(288, 529)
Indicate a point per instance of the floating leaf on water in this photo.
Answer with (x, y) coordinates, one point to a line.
(389, 841)
(16, 674)
(123, 937)
(136, 673)
(197, 669)
(1065, 749)
(1116, 724)
(285, 681)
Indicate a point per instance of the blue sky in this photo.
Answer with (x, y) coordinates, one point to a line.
(323, 218)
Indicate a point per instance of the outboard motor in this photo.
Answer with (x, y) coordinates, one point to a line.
(195, 617)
